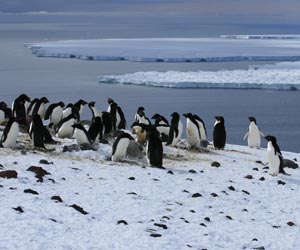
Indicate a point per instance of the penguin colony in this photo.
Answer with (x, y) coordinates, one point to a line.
(44, 124)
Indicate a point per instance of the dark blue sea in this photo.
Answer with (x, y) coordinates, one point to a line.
(277, 112)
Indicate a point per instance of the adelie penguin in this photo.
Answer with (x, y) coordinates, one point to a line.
(253, 134)
(96, 129)
(219, 133)
(154, 147)
(54, 112)
(95, 112)
(19, 107)
(10, 134)
(202, 131)
(117, 114)
(37, 131)
(120, 146)
(40, 107)
(162, 126)
(192, 131)
(176, 129)
(274, 156)
(140, 116)
(141, 134)
(82, 136)
(5, 112)
(64, 127)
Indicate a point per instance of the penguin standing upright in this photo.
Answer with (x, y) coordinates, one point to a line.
(219, 133)
(154, 147)
(140, 116)
(120, 117)
(19, 108)
(192, 131)
(274, 156)
(5, 112)
(79, 106)
(120, 146)
(54, 112)
(113, 116)
(31, 105)
(107, 123)
(64, 127)
(202, 130)
(253, 134)
(95, 112)
(10, 134)
(162, 126)
(81, 135)
(96, 129)
(176, 129)
(37, 131)
(40, 107)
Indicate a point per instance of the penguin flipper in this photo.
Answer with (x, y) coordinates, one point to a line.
(245, 136)
(262, 134)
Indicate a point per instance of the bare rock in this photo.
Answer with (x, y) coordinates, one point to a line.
(9, 174)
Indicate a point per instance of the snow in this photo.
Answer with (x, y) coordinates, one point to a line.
(233, 212)
(219, 49)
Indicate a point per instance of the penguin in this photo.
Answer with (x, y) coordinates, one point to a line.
(95, 112)
(96, 129)
(113, 115)
(5, 112)
(253, 134)
(81, 135)
(31, 106)
(2, 114)
(154, 147)
(274, 156)
(64, 127)
(140, 116)
(162, 126)
(176, 129)
(54, 112)
(19, 108)
(37, 131)
(120, 117)
(120, 146)
(202, 128)
(10, 134)
(219, 133)
(79, 106)
(107, 123)
(40, 107)
(141, 134)
(192, 131)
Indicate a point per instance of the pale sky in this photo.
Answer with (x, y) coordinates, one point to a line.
(287, 10)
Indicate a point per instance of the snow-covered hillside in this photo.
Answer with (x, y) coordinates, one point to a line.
(192, 204)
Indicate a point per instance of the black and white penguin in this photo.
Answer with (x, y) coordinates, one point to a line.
(95, 112)
(202, 128)
(253, 134)
(154, 147)
(219, 133)
(274, 156)
(141, 134)
(113, 115)
(10, 134)
(113, 107)
(37, 131)
(176, 129)
(54, 112)
(31, 105)
(192, 131)
(64, 127)
(19, 107)
(40, 107)
(5, 112)
(107, 123)
(79, 106)
(120, 146)
(81, 135)
(162, 126)
(140, 116)
(96, 129)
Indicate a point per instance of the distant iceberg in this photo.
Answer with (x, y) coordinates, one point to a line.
(220, 49)
(254, 78)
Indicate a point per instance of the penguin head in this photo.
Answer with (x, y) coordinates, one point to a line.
(220, 119)
(3, 106)
(61, 104)
(110, 100)
(271, 139)
(137, 128)
(80, 103)
(188, 115)
(92, 104)
(140, 111)
(252, 119)
(44, 99)
(70, 105)
(196, 117)
(175, 115)
(156, 116)
(24, 97)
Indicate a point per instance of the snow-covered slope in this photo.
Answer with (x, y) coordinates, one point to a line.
(189, 205)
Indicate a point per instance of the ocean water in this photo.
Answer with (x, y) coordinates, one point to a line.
(277, 112)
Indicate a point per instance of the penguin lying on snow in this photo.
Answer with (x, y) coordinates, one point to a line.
(81, 135)
(10, 134)
(64, 127)
(219, 133)
(120, 146)
(274, 156)
(253, 134)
